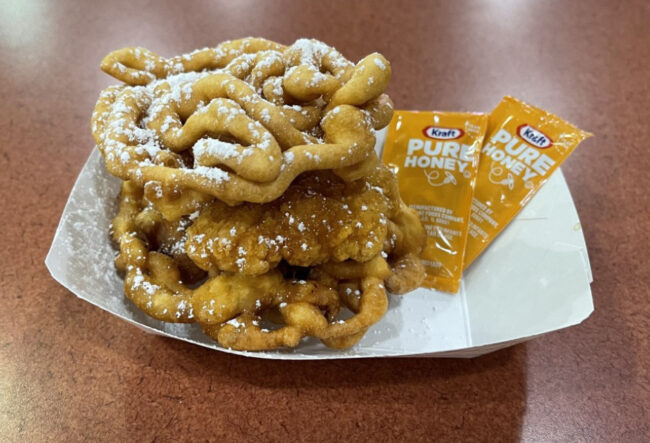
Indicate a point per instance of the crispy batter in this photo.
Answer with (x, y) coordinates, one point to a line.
(407, 273)
(301, 311)
(319, 219)
(152, 280)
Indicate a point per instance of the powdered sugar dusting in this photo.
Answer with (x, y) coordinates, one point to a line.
(212, 148)
(214, 175)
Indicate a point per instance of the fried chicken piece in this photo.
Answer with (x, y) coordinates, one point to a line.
(169, 238)
(320, 218)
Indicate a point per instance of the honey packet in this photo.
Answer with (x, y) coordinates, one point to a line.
(524, 146)
(435, 156)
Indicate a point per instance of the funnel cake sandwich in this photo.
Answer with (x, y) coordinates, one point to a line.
(252, 200)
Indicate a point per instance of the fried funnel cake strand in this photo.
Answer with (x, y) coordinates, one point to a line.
(302, 314)
(205, 124)
(152, 280)
(407, 240)
(139, 66)
(307, 70)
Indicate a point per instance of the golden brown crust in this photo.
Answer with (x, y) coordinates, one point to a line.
(320, 218)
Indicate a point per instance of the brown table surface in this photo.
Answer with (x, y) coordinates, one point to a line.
(69, 371)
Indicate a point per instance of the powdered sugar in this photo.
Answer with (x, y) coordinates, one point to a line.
(139, 281)
(214, 175)
(234, 322)
(265, 116)
(212, 148)
(310, 51)
(380, 64)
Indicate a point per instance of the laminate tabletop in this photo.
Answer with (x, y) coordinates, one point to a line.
(72, 372)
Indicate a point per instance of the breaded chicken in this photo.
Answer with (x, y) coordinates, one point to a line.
(319, 219)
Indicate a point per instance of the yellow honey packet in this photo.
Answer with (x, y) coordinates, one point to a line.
(435, 155)
(524, 146)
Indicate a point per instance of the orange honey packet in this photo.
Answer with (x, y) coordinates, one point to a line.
(524, 146)
(436, 155)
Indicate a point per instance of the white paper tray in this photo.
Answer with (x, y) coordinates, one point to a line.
(533, 279)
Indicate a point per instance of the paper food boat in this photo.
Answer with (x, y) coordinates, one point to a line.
(532, 280)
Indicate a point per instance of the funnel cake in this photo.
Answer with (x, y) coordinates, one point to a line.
(206, 121)
(232, 306)
(252, 200)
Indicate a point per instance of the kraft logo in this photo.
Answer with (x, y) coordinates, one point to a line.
(534, 137)
(439, 133)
